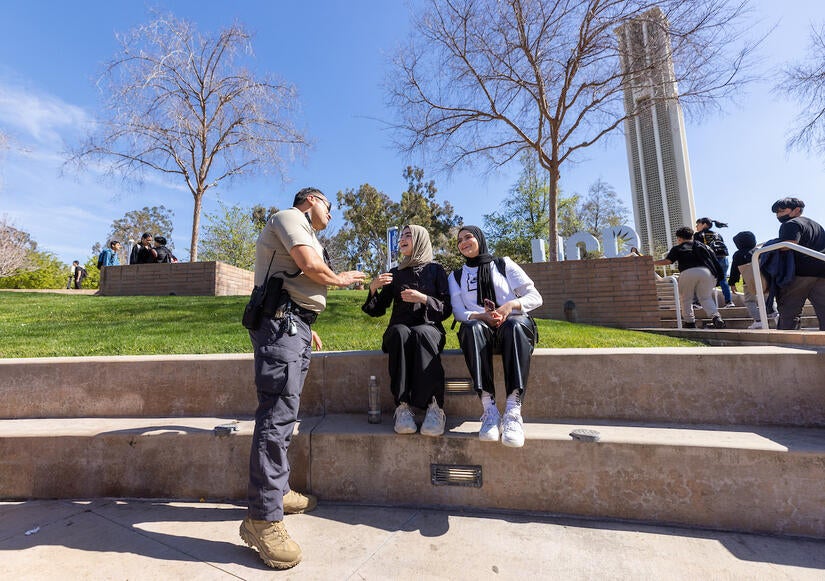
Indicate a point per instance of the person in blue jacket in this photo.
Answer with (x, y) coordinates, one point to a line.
(108, 256)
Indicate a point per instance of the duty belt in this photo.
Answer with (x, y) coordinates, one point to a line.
(305, 315)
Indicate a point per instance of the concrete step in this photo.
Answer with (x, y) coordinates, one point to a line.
(735, 314)
(731, 385)
(133, 457)
(746, 478)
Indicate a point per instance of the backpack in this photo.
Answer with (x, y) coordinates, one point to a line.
(718, 247)
(500, 266)
(706, 258)
(716, 244)
(101, 259)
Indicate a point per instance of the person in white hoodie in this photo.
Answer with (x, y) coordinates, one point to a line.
(491, 298)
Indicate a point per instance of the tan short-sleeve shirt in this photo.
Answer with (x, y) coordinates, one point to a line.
(285, 230)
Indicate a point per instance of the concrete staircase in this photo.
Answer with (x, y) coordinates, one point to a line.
(730, 438)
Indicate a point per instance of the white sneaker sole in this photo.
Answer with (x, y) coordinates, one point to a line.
(432, 433)
(403, 430)
(489, 436)
(511, 443)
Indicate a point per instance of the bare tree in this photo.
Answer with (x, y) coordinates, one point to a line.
(805, 82)
(179, 103)
(15, 246)
(489, 79)
(602, 207)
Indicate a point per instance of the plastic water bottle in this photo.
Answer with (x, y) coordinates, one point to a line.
(374, 411)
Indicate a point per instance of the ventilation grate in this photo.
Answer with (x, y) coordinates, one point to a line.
(459, 386)
(455, 475)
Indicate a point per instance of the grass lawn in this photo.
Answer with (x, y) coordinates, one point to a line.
(60, 325)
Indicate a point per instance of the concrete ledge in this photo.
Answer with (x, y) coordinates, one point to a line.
(136, 457)
(726, 385)
(748, 478)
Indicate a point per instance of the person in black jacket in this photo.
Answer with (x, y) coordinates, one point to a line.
(699, 272)
(809, 273)
(740, 267)
(714, 241)
(162, 253)
(145, 242)
(418, 292)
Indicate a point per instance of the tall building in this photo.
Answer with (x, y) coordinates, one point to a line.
(655, 133)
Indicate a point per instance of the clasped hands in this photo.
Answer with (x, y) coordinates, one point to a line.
(495, 316)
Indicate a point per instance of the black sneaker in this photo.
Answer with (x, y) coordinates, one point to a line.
(688, 325)
(718, 323)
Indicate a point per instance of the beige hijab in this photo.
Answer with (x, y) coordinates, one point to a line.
(422, 249)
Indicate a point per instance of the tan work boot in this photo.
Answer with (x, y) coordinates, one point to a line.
(272, 542)
(297, 503)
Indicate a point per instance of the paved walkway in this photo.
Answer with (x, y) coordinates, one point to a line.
(141, 539)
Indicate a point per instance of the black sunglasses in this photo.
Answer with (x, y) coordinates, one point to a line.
(327, 202)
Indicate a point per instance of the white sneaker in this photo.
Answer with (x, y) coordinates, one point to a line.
(513, 430)
(434, 421)
(404, 420)
(489, 425)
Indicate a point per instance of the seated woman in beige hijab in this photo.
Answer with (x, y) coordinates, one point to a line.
(418, 291)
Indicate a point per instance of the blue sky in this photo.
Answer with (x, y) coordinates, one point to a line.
(337, 54)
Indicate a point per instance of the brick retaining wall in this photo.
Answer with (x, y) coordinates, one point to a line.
(180, 278)
(616, 292)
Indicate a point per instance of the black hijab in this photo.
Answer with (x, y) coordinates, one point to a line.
(485, 289)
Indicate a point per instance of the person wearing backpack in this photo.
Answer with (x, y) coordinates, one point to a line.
(716, 243)
(699, 273)
(108, 256)
(491, 298)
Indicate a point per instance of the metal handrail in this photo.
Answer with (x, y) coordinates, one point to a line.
(675, 282)
(757, 274)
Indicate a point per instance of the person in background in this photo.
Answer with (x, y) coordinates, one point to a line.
(147, 253)
(145, 242)
(108, 256)
(77, 274)
(716, 243)
(491, 298)
(420, 297)
(808, 281)
(699, 271)
(162, 253)
(740, 266)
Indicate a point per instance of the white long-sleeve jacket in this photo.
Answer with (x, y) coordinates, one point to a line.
(515, 285)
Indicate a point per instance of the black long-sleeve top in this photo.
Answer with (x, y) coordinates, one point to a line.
(430, 279)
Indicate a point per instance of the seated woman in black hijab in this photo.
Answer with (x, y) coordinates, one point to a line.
(417, 289)
(491, 298)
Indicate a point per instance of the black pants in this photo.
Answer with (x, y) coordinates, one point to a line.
(416, 373)
(791, 299)
(281, 365)
(514, 339)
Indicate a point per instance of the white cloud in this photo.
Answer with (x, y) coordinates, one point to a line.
(39, 119)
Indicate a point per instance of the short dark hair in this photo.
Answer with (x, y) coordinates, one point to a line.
(787, 204)
(146, 235)
(302, 194)
(685, 233)
(113, 242)
(160, 240)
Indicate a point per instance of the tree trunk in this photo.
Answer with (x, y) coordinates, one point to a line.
(196, 223)
(553, 217)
